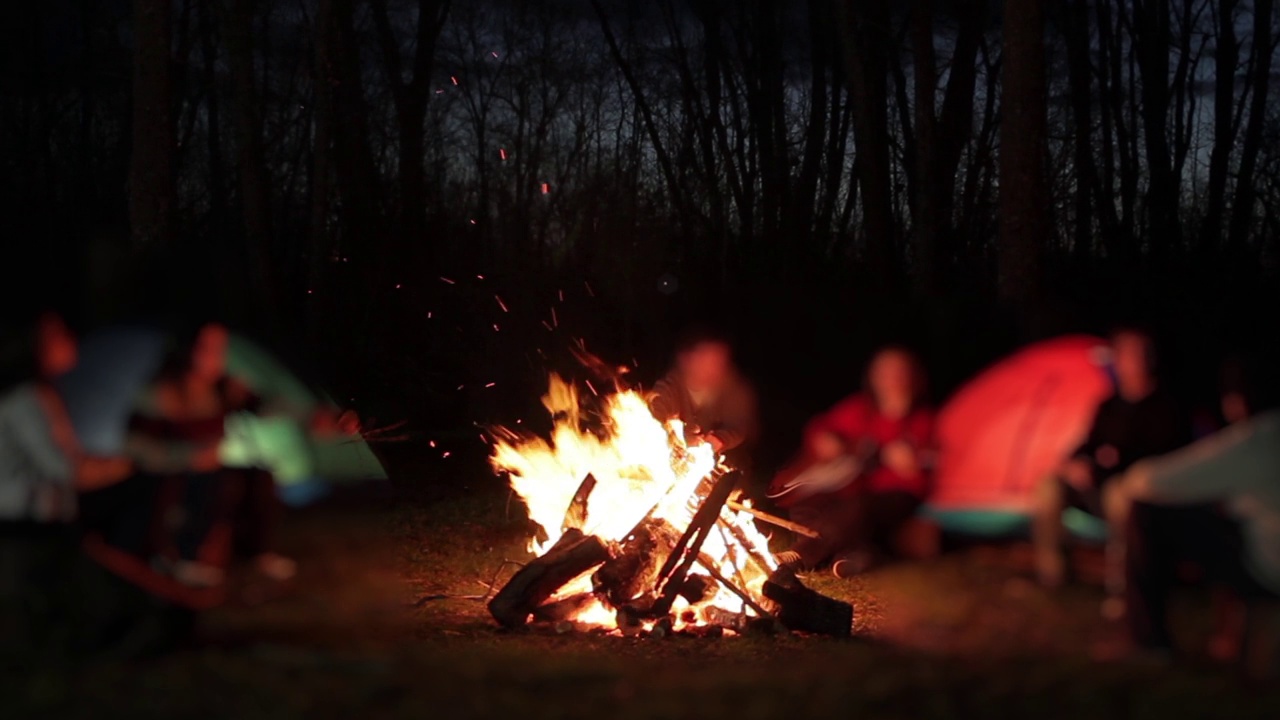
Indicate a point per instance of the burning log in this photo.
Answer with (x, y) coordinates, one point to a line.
(571, 556)
(575, 518)
(685, 553)
(804, 610)
(633, 570)
(564, 608)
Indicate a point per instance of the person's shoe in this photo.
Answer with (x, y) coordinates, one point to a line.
(197, 574)
(1051, 568)
(1125, 650)
(1113, 608)
(275, 567)
(852, 564)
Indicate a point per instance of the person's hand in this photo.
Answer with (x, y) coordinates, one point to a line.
(1107, 457)
(349, 422)
(1077, 473)
(826, 446)
(205, 459)
(900, 457)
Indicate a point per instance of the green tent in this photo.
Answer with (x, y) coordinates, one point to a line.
(279, 440)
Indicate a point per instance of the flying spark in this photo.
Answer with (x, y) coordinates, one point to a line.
(593, 389)
(495, 327)
(432, 443)
(479, 277)
(494, 53)
(546, 325)
(454, 79)
(561, 295)
(554, 321)
(447, 280)
(502, 153)
(490, 385)
(501, 304)
(587, 285)
(461, 386)
(546, 188)
(446, 454)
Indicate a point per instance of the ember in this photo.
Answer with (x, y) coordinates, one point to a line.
(635, 532)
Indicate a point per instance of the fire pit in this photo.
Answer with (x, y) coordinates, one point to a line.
(635, 534)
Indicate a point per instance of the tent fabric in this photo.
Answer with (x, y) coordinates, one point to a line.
(1016, 421)
(1010, 523)
(116, 363)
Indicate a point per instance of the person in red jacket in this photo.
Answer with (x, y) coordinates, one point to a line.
(864, 469)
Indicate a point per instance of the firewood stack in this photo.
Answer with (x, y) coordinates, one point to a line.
(641, 577)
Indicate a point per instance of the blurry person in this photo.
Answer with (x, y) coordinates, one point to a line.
(186, 407)
(705, 391)
(1216, 502)
(44, 577)
(877, 446)
(1141, 420)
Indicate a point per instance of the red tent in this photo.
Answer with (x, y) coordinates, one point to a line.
(1016, 421)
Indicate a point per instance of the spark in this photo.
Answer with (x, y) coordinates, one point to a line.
(461, 386)
(454, 79)
(397, 286)
(479, 277)
(501, 304)
(491, 384)
(561, 292)
(482, 438)
(428, 314)
(547, 325)
(439, 91)
(432, 443)
(546, 188)
(518, 421)
(502, 153)
(554, 321)
(309, 292)
(446, 454)
(495, 327)
(494, 53)
(587, 285)
(447, 280)
(473, 222)
(593, 389)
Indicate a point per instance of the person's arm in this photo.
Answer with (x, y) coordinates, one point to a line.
(664, 398)
(1229, 462)
(1096, 437)
(740, 422)
(844, 421)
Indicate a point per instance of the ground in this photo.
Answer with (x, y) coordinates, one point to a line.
(362, 633)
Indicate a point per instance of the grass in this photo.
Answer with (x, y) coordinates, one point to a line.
(963, 636)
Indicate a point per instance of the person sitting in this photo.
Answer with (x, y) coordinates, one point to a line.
(882, 437)
(1141, 420)
(1216, 502)
(186, 407)
(707, 393)
(45, 578)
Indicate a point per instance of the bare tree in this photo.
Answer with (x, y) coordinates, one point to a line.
(151, 168)
(1024, 195)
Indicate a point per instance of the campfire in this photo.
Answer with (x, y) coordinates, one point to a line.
(636, 533)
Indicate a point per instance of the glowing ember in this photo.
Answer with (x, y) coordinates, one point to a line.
(644, 477)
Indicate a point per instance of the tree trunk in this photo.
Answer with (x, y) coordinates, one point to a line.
(864, 29)
(151, 167)
(1242, 209)
(1151, 35)
(255, 184)
(927, 221)
(320, 181)
(1226, 58)
(1024, 196)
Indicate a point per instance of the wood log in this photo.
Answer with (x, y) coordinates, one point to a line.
(575, 518)
(804, 610)
(571, 556)
(685, 553)
(762, 516)
(564, 608)
(633, 569)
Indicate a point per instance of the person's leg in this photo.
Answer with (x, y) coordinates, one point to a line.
(1047, 532)
(887, 513)
(834, 518)
(1150, 563)
(1115, 511)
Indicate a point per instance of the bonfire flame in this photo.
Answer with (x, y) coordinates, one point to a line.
(643, 471)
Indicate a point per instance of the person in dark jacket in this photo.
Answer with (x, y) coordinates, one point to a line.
(707, 393)
(1140, 421)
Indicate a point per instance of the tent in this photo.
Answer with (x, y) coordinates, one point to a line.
(1009, 426)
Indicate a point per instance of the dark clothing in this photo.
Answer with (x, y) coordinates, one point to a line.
(1149, 427)
(1161, 537)
(257, 510)
(866, 521)
(729, 414)
(124, 514)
